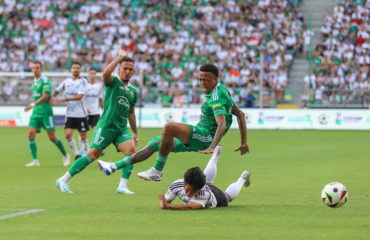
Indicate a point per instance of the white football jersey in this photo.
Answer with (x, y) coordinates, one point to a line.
(75, 109)
(204, 197)
(93, 93)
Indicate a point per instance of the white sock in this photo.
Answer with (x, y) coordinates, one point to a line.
(123, 182)
(211, 170)
(73, 146)
(85, 146)
(234, 188)
(80, 143)
(66, 177)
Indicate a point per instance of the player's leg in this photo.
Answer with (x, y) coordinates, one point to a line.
(233, 190)
(60, 146)
(85, 142)
(68, 132)
(127, 148)
(211, 170)
(32, 144)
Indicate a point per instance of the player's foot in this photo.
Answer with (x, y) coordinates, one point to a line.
(246, 175)
(66, 160)
(77, 157)
(217, 151)
(63, 186)
(151, 174)
(33, 163)
(102, 154)
(106, 167)
(124, 190)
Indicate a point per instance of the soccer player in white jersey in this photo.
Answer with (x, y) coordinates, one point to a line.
(76, 117)
(94, 99)
(197, 191)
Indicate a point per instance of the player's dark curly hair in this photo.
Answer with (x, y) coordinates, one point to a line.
(209, 68)
(195, 178)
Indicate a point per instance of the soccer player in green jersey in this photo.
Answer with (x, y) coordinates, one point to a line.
(42, 115)
(216, 118)
(119, 107)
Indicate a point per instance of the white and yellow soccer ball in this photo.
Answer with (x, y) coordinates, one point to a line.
(334, 195)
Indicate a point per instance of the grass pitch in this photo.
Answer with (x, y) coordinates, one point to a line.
(289, 170)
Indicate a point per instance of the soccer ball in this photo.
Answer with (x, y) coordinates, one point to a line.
(334, 195)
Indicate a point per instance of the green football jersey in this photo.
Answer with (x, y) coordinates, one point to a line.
(38, 88)
(118, 100)
(217, 102)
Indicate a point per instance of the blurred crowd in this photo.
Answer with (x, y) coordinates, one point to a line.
(227, 33)
(340, 73)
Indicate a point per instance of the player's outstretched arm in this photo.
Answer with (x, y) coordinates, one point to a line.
(240, 116)
(132, 121)
(221, 128)
(107, 73)
(166, 204)
(42, 99)
(78, 97)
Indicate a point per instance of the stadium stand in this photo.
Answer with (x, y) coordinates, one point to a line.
(341, 60)
(226, 33)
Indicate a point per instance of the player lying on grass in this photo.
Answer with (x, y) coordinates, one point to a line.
(197, 191)
(119, 108)
(216, 118)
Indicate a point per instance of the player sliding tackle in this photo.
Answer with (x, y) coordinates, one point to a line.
(197, 191)
(216, 117)
(120, 100)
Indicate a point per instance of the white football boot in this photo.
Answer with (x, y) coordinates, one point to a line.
(151, 175)
(105, 167)
(33, 163)
(63, 186)
(66, 160)
(246, 175)
(124, 190)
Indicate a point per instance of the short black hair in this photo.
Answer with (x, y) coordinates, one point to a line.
(127, 59)
(76, 63)
(93, 69)
(195, 178)
(208, 67)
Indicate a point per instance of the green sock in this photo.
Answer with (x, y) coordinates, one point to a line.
(33, 148)
(126, 172)
(123, 163)
(79, 165)
(60, 146)
(161, 161)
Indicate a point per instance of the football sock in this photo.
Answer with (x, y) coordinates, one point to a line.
(60, 146)
(234, 188)
(161, 161)
(79, 165)
(126, 173)
(66, 177)
(122, 164)
(211, 170)
(85, 146)
(80, 144)
(33, 148)
(72, 145)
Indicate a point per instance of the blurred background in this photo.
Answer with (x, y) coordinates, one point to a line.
(271, 53)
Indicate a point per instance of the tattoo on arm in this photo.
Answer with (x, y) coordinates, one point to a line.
(240, 116)
(142, 155)
(132, 119)
(221, 122)
(55, 93)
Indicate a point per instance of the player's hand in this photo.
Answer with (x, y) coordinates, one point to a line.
(136, 139)
(163, 199)
(208, 150)
(122, 54)
(26, 109)
(88, 110)
(51, 101)
(59, 100)
(244, 148)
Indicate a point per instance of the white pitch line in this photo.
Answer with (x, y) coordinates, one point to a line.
(20, 213)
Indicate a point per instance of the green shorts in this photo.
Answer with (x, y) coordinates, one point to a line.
(199, 139)
(103, 138)
(46, 122)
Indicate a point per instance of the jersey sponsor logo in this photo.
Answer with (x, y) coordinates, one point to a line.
(132, 93)
(216, 105)
(123, 101)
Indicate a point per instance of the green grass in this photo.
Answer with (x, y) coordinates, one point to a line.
(289, 170)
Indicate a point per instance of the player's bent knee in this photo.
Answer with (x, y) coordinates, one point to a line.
(169, 127)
